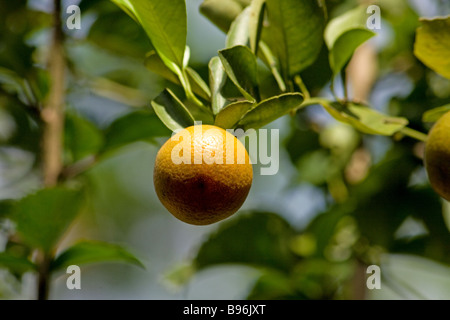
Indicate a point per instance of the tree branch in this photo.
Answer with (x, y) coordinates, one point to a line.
(52, 139)
(53, 112)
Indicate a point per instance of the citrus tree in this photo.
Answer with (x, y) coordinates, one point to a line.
(316, 65)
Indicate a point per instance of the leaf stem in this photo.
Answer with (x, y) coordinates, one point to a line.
(312, 101)
(414, 134)
(299, 82)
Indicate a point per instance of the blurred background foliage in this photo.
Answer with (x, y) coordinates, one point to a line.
(340, 202)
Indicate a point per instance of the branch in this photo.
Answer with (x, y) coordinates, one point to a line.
(53, 112)
(52, 139)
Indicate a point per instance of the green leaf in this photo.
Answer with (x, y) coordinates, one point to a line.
(155, 64)
(433, 115)
(141, 125)
(270, 60)
(12, 83)
(323, 226)
(198, 85)
(270, 237)
(113, 31)
(229, 116)
(295, 33)
(165, 23)
(344, 34)
(217, 80)
(17, 265)
(238, 35)
(270, 109)
(241, 67)
(432, 45)
(43, 217)
(91, 252)
(82, 138)
(171, 111)
(365, 119)
(221, 12)
(257, 10)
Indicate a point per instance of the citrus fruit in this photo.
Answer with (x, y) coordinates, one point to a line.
(437, 156)
(202, 174)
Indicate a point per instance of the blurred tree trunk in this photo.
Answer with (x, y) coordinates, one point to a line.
(52, 140)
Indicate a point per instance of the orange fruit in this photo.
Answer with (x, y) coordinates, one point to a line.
(437, 156)
(202, 174)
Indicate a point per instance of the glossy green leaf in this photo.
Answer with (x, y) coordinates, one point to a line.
(171, 111)
(229, 116)
(239, 30)
(140, 125)
(257, 10)
(82, 138)
(241, 67)
(165, 23)
(17, 265)
(344, 34)
(365, 119)
(116, 33)
(43, 217)
(198, 85)
(217, 80)
(295, 33)
(85, 252)
(221, 12)
(270, 236)
(270, 109)
(270, 60)
(434, 114)
(155, 64)
(432, 44)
